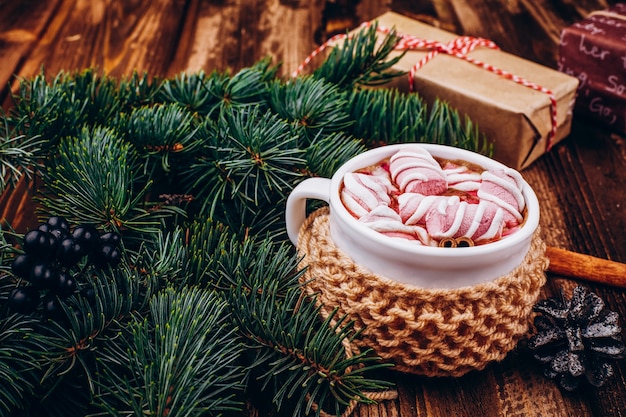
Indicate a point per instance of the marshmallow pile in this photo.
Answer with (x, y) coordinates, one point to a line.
(413, 196)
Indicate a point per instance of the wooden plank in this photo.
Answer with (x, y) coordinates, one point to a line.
(17, 208)
(524, 391)
(21, 26)
(523, 27)
(235, 35)
(115, 37)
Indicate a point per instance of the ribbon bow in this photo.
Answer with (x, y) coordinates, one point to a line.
(460, 48)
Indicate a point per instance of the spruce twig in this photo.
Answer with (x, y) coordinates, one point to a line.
(387, 116)
(180, 362)
(252, 158)
(328, 152)
(101, 193)
(362, 60)
(446, 127)
(320, 105)
(18, 155)
(159, 133)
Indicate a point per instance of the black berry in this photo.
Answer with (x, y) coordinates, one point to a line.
(38, 243)
(69, 252)
(44, 227)
(87, 236)
(110, 238)
(52, 307)
(107, 255)
(24, 300)
(65, 284)
(21, 266)
(59, 234)
(59, 223)
(43, 275)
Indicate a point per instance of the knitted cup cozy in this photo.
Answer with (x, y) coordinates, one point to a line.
(431, 332)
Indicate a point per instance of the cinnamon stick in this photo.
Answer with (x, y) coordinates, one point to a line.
(586, 267)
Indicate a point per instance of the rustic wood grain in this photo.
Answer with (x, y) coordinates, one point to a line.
(580, 184)
(526, 28)
(19, 33)
(17, 208)
(114, 37)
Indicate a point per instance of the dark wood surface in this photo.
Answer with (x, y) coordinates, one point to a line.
(581, 184)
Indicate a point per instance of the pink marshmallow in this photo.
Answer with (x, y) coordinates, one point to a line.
(362, 192)
(416, 171)
(462, 178)
(452, 218)
(504, 188)
(385, 220)
(413, 207)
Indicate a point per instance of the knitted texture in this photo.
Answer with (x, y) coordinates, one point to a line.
(432, 332)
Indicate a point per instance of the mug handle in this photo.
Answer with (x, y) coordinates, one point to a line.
(295, 211)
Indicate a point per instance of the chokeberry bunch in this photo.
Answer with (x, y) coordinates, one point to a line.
(50, 254)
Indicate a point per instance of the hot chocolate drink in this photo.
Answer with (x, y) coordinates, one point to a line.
(433, 201)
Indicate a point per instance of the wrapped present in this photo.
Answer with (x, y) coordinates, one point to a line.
(523, 108)
(594, 51)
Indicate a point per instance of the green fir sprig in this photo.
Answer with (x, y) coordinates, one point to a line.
(321, 105)
(362, 60)
(148, 378)
(19, 156)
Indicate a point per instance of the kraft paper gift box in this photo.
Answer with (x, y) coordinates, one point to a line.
(594, 51)
(516, 118)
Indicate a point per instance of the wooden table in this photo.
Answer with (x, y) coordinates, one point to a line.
(581, 184)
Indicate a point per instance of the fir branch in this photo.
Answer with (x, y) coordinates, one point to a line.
(266, 219)
(328, 152)
(193, 91)
(267, 70)
(203, 94)
(262, 285)
(138, 90)
(259, 154)
(446, 127)
(304, 359)
(62, 107)
(53, 359)
(207, 239)
(94, 182)
(162, 256)
(247, 87)
(18, 155)
(98, 95)
(159, 133)
(90, 319)
(222, 259)
(253, 158)
(362, 60)
(311, 104)
(386, 116)
(181, 360)
(246, 265)
(19, 374)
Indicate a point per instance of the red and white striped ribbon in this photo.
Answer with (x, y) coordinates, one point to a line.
(459, 48)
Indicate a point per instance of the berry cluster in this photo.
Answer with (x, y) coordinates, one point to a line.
(50, 251)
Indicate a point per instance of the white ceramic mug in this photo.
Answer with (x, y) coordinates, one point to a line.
(403, 261)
